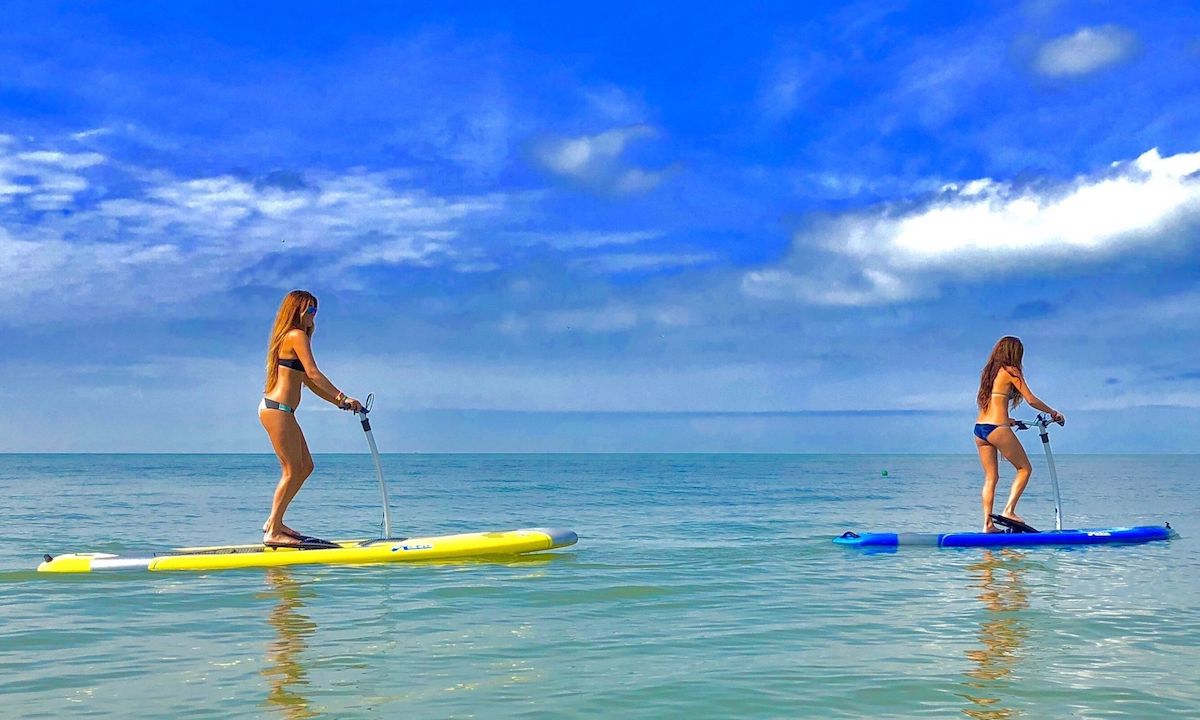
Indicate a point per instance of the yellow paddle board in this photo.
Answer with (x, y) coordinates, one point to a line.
(349, 552)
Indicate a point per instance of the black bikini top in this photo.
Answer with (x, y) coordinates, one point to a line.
(293, 363)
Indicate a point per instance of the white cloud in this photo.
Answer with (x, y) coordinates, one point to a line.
(42, 179)
(785, 87)
(584, 239)
(985, 227)
(636, 180)
(596, 160)
(340, 212)
(613, 104)
(421, 249)
(868, 287)
(642, 262)
(576, 156)
(1085, 51)
(170, 240)
(88, 134)
(610, 318)
(938, 87)
(67, 161)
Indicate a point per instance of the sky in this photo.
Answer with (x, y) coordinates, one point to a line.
(608, 227)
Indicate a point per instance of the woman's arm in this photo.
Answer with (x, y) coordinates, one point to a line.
(316, 381)
(1033, 400)
(316, 390)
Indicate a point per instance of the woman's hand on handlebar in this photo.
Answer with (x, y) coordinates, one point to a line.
(351, 404)
(1058, 417)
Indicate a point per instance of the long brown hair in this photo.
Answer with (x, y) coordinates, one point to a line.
(1008, 353)
(290, 315)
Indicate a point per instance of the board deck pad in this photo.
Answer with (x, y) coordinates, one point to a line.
(235, 549)
(1012, 525)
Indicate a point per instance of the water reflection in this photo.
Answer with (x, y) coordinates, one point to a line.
(1002, 592)
(284, 671)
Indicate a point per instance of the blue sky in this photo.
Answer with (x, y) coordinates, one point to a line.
(621, 227)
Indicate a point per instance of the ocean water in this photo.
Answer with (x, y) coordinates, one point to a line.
(702, 586)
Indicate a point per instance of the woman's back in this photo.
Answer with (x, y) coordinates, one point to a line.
(1004, 390)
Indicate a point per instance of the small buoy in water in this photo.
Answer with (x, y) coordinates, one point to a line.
(884, 473)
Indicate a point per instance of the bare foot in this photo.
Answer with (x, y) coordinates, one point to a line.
(286, 530)
(280, 539)
(991, 528)
(1013, 516)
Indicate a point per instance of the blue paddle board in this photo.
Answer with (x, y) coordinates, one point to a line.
(1088, 536)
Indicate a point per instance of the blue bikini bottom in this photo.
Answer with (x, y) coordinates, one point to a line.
(982, 430)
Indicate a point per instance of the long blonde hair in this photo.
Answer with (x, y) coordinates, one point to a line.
(1007, 354)
(290, 317)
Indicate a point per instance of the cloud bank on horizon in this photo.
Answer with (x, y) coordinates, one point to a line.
(808, 211)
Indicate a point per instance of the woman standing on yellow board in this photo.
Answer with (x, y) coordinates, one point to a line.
(290, 367)
(1002, 385)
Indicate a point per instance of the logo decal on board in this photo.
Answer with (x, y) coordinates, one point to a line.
(396, 548)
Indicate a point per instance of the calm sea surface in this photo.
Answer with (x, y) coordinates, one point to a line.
(702, 586)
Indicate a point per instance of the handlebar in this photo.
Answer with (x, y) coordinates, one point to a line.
(1043, 421)
(366, 406)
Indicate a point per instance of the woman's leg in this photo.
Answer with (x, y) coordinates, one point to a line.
(288, 442)
(1010, 447)
(303, 471)
(991, 473)
(300, 472)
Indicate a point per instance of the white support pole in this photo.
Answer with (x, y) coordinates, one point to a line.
(1042, 423)
(366, 426)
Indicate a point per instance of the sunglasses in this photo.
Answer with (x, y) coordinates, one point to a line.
(311, 311)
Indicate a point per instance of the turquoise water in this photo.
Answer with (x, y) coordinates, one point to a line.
(702, 586)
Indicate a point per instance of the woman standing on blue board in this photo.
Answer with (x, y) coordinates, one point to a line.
(291, 366)
(1002, 385)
